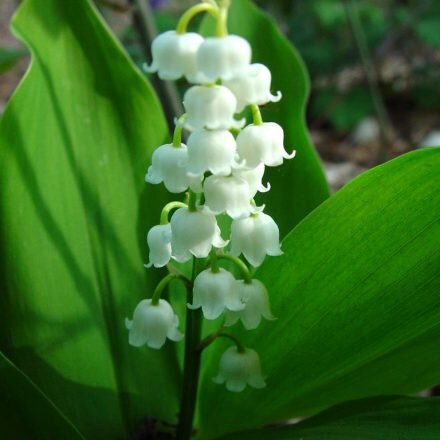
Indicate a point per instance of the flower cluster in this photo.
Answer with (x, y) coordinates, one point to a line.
(221, 169)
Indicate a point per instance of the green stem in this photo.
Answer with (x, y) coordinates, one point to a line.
(191, 368)
(242, 266)
(192, 201)
(213, 261)
(167, 208)
(256, 114)
(185, 19)
(222, 20)
(220, 334)
(164, 282)
(177, 136)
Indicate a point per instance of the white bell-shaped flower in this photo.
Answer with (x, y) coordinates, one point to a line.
(228, 194)
(175, 55)
(211, 107)
(152, 324)
(194, 233)
(223, 57)
(239, 369)
(168, 167)
(254, 178)
(252, 86)
(215, 292)
(255, 237)
(256, 300)
(211, 150)
(262, 144)
(159, 242)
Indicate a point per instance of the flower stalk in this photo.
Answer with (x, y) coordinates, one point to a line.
(220, 171)
(191, 367)
(186, 18)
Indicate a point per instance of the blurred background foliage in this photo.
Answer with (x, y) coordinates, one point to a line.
(374, 68)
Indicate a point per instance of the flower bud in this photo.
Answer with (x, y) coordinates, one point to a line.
(254, 178)
(215, 292)
(175, 55)
(223, 57)
(159, 242)
(252, 86)
(194, 233)
(262, 144)
(152, 324)
(255, 237)
(211, 150)
(239, 369)
(228, 194)
(211, 107)
(256, 300)
(168, 167)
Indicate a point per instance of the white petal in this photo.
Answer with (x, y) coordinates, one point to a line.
(232, 299)
(259, 299)
(193, 232)
(255, 377)
(159, 242)
(174, 335)
(223, 57)
(253, 177)
(255, 237)
(235, 385)
(262, 144)
(153, 176)
(252, 86)
(167, 166)
(174, 55)
(212, 151)
(214, 291)
(210, 107)
(240, 368)
(218, 379)
(156, 340)
(152, 324)
(228, 194)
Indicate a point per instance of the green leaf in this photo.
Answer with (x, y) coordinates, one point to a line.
(427, 29)
(299, 185)
(391, 418)
(75, 141)
(8, 58)
(356, 293)
(25, 409)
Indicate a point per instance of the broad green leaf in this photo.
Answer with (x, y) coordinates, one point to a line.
(299, 185)
(25, 409)
(8, 58)
(356, 293)
(391, 418)
(75, 140)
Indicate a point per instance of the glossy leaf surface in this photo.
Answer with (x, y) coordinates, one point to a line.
(390, 418)
(75, 141)
(356, 293)
(25, 409)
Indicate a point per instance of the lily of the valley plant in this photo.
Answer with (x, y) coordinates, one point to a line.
(229, 333)
(220, 169)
